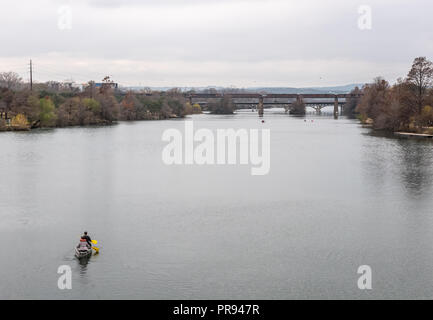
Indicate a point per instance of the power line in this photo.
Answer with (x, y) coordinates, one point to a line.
(52, 76)
(50, 70)
(67, 73)
(34, 71)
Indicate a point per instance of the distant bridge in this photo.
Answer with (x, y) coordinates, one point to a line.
(259, 101)
(316, 101)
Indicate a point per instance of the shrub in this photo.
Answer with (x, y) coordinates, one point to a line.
(188, 108)
(196, 109)
(92, 105)
(47, 115)
(20, 122)
(426, 116)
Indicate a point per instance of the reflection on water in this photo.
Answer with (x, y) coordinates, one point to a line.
(387, 157)
(83, 264)
(416, 166)
(336, 197)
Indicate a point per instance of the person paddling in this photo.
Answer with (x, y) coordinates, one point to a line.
(86, 237)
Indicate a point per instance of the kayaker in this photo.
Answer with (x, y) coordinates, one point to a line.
(83, 245)
(87, 238)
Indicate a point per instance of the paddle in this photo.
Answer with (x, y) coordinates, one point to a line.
(95, 248)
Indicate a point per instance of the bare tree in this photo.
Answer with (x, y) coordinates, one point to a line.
(351, 102)
(421, 77)
(10, 80)
(298, 107)
(222, 106)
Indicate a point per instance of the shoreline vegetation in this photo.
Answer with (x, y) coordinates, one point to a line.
(404, 107)
(54, 104)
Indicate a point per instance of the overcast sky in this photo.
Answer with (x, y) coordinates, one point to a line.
(214, 42)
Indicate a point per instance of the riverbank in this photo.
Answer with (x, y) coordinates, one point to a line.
(413, 135)
(26, 126)
(45, 107)
(412, 132)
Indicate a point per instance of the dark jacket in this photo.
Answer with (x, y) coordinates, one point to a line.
(89, 241)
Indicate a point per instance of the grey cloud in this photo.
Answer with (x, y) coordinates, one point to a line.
(230, 32)
(143, 3)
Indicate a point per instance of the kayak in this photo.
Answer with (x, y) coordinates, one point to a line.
(83, 253)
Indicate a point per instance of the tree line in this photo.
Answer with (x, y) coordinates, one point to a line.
(404, 106)
(54, 104)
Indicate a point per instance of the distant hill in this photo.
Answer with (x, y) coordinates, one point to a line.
(333, 90)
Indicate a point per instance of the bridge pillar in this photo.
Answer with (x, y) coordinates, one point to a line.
(261, 107)
(336, 107)
(190, 100)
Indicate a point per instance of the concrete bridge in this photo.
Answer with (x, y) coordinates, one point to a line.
(259, 101)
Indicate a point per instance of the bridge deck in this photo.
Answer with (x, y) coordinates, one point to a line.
(274, 95)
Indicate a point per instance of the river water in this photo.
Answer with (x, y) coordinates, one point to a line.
(336, 197)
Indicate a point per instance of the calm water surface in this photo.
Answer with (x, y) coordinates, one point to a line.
(336, 198)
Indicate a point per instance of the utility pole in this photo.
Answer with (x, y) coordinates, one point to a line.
(31, 75)
(91, 89)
